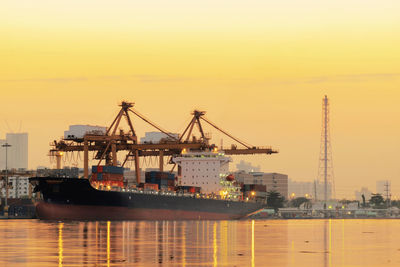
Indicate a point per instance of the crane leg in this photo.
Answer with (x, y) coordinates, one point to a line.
(85, 159)
(161, 160)
(137, 168)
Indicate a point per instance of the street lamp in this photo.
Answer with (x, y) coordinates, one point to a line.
(6, 145)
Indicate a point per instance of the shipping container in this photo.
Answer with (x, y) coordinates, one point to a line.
(94, 169)
(112, 176)
(107, 169)
(160, 175)
(113, 169)
(150, 186)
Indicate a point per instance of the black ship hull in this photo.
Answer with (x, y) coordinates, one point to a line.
(76, 199)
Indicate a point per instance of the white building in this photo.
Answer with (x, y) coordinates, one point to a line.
(17, 153)
(18, 187)
(156, 137)
(302, 189)
(78, 131)
(2, 154)
(203, 169)
(314, 190)
(247, 167)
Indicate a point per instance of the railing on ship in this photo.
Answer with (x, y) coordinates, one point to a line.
(178, 194)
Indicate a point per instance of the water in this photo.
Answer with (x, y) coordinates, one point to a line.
(201, 243)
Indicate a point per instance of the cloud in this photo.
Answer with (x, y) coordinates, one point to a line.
(145, 78)
(353, 77)
(49, 80)
(161, 78)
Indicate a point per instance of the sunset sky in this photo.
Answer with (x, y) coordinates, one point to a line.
(259, 68)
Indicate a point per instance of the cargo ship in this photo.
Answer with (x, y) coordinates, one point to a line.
(77, 199)
(201, 189)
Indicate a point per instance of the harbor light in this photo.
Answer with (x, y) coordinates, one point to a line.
(223, 193)
(253, 193)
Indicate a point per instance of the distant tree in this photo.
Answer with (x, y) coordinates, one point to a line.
(345, 201)
(363, 201)
(377, 201)
(296, 202)
(275, 200)
(395, 203)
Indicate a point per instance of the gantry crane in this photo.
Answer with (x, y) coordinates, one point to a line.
(107, 145)
(198, 116)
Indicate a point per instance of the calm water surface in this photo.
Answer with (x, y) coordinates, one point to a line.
(201, 243)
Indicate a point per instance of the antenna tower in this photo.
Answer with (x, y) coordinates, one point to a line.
(387, 193)
(325, 168)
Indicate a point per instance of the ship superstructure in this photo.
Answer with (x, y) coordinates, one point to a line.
(202, 169)
(209, 171)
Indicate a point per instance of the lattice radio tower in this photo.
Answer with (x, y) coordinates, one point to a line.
(325, 168)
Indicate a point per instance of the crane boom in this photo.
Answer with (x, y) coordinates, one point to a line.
(227, 134)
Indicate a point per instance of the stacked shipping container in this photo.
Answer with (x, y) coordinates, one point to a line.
(164, 180)
(108, 175)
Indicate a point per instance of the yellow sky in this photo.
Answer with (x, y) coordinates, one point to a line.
(260, 69)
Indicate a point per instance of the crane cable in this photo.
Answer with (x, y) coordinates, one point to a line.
(151, 123)
(226, 133)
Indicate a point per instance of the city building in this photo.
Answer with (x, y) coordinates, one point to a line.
(2, 154)
(364, 191)
(78, 131)
(156, 137)
(17, 153)
(66, 172)
(247, 167)
(203, 169)
(19, 187)
(301, 189)
(314, 190)
(130, 176)
(383, 187)
(273, 181)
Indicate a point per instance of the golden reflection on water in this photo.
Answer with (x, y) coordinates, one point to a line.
(215, 244)
(330, 242)
(252, 244)
(108, 243)
(201, 243)
(343, 247)
(60, 244)
(183, 248)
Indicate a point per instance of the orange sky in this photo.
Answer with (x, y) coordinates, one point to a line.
(259, 68)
